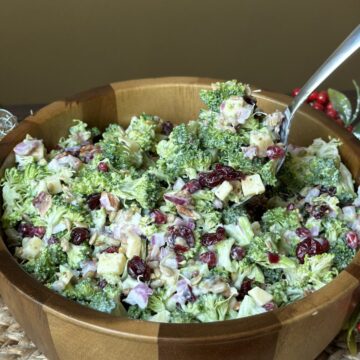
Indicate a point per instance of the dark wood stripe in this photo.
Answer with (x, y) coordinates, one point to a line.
(235, 339)
(26, 310)
(354, 269)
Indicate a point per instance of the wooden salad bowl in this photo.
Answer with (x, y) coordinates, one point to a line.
(63, 329)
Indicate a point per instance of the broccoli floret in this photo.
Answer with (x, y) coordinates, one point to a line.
(231, 214)
(146, 190)
(272, 275)
(278, 220)
(221, 91)
(19, 189)
(213, 136)
(335, 229)
(304, 170)
(144, 130)
(102, 303)
(78, 134)
(343, 254)
(122, 152)
(181, 317)
(181, 154)
(279, 292)
(84, 290)
(268, 173)
(78, 254)
(135, 312)
(46, 264)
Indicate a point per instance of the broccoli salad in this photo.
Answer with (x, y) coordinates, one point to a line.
(151, 219)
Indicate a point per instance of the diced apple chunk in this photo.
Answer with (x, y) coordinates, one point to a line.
(223, 190)
(260, 296)
(252, 185)
(261, 139)
(111, 264)
(54, 185)
(31, 247)
(133, 245)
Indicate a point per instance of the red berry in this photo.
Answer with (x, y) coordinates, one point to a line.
(78, 235)
(273, 258)
(270, 306)
(352, 240)
(167, 127)
(329, 106)
(317, 106)
(208, 258)
(244, 289)
(208, 239)
(103, 167)
(111, 249)
(358, 327)
(350, 128)
(158, 217)
(137, 268)
(308, 247)
(332, 113)
(313, 96)
(323, 97)
(275, 152)
(290, 207)
(339, 122)
(192, 186)
(237, 253)
(183, 232)
(93, 201)
(295, 92)
(303, 233)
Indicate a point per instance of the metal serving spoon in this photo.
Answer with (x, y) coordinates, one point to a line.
(345, 50)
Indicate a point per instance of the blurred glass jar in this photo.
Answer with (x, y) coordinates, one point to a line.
(7, 122)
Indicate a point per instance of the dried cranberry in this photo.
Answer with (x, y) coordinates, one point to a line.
(102, 283)
(111, 249)
(331, 190)
(79, 235)
(274, 258)
(210, 179)
(39, 231)
(158, 217)
(320, 211)
(275, 152)
(28, 230)
(209, 258)
(93, 201)
(290, 207)
(167, 127)
(352, 240)
(303, 233)
(103, 167)
(138, 269)
(53, 240)
(208, 239)
(183, 232)
(324, 243)
(237, 253)
(249, 100)
(244, 289)
(270, 306)
(180, 249)
(229, 173)
(308, 247)
(308, 207)
(192, 186)
(218, 175)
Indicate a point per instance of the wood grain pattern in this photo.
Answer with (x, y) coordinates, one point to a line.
(65, 330)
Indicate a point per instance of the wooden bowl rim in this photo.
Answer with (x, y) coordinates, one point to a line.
(222, 331)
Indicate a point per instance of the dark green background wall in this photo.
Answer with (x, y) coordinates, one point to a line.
(50, 49)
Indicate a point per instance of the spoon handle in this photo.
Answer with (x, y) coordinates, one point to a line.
(346, 49)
